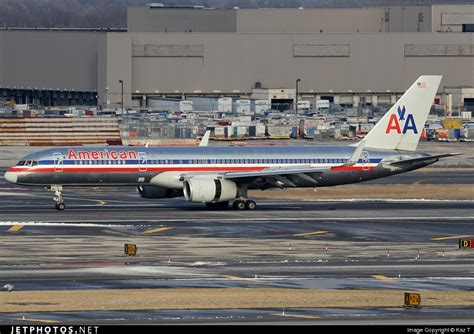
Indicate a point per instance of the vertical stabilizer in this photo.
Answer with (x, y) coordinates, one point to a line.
(401, 127)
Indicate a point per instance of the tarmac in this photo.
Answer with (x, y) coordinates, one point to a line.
(388, 245)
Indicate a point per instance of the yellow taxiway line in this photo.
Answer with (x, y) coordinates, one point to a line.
(15, 228)
(384, 278)
(298, 316)
(310, 233)
(452, 237)
(156, 230)
(44, 321)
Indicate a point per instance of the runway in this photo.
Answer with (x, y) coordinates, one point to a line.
(406, 245)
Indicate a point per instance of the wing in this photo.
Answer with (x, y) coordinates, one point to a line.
(281, 177)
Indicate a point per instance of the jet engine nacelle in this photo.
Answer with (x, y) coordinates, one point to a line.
(148, 191)
(209, 190)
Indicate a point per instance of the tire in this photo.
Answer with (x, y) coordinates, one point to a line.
(250, 205)
(239, 205)
(60, 206)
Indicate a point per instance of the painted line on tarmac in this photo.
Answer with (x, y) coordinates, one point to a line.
(310, 233)
(301, 316)
(452, 237)
(384, 278)
(374, 200)
(159, 229)
(44, 321)
(15, 228)
(147, 222)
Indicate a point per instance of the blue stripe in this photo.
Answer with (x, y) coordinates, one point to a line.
(209, 161)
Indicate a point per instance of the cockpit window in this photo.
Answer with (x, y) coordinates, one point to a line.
(21, 163)
(28, 163)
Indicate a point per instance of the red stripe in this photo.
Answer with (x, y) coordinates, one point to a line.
(163, 169)
(136, 169)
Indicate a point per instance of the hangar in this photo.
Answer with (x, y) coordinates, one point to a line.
(344, 54)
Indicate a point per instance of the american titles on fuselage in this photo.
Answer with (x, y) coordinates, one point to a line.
(105, 154)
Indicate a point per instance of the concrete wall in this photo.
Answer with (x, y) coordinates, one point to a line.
(234, 62)
(180, 63)
(49, 60)
(144, 19)
(118, 59)
(408, 19)
(325, 20)
(444, 20)
(2, 63)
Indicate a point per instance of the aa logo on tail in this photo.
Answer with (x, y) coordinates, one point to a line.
(402, 119)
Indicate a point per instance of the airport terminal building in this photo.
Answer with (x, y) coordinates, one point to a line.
(346, 55)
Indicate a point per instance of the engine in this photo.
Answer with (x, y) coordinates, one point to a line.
(209, 190)
(148, 191)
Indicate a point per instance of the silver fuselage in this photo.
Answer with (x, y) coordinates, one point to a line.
(119, 165)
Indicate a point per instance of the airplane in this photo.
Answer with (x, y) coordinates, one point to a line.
(217, 175)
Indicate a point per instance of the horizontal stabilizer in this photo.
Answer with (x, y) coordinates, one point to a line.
(428, 158)
(356, 155)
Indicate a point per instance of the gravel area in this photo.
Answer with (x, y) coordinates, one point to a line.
(373, 191)
(179, 299)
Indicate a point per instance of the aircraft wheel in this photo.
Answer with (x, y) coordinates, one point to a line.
(60, 206)
(250, 205)
(239, 205)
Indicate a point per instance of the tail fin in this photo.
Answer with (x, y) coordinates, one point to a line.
(400, 128)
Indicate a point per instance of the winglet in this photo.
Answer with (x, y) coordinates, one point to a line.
(356, 155)
(205, 138)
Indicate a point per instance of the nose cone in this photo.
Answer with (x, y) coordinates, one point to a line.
(11, 176)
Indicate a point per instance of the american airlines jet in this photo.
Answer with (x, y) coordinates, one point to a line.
(216, 175)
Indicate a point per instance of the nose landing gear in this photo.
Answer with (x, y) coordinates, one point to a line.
(58, 198)
(60, 206)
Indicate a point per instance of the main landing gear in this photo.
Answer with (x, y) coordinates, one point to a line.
(58, 198)
(241, 204)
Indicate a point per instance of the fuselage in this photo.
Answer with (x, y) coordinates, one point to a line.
(91, 166)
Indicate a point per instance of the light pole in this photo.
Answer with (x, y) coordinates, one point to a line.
(296, 96)
(121, 94)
